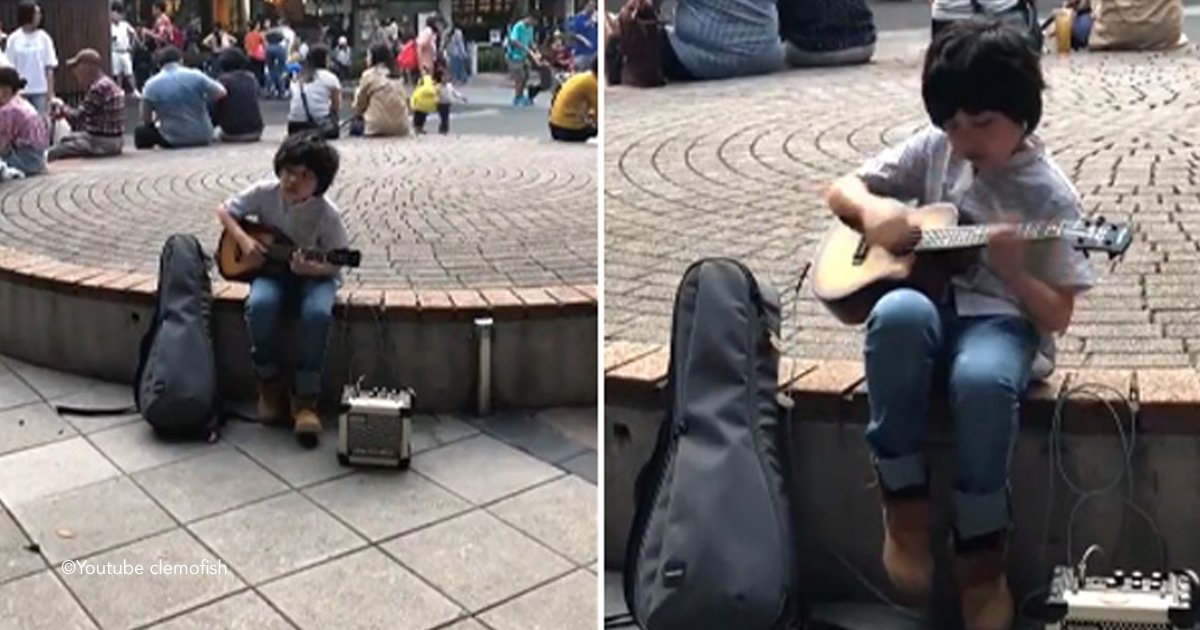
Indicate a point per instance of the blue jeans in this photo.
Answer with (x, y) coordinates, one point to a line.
(276, 68)
(458, 70)
(269, 297)
(913, 348)
(27, 160)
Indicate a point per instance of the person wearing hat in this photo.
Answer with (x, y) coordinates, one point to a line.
(98, 124)
(23, 133)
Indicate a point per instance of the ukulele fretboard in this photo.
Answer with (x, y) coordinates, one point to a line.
(964, 236)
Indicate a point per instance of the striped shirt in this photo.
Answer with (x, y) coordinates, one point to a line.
(716, 39)
(964, 9)
(21, 127)
(102, 112)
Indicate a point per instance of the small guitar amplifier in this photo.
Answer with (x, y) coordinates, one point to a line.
(375, 427)
(1122, 601)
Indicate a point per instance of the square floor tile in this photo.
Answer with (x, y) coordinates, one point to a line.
(210, 483)
(107, 396)
(272, 537)
(53, 384)
(576, 423)
(82, 521)
(50, 468)
(476, 559)
(127, 600)
(566, 604)
(135, 447)
(537, 438)
(14, 392)
(40, 602)
(482, 469)
(276, 449)
(561, 514)
(15, 559)
(583, 466)
(433, 431)
(382, 504)
(244, 611)
(30, 425)
(363, 590)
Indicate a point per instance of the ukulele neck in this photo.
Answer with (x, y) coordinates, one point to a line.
(968, 236)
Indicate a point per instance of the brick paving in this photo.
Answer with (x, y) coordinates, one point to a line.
(493, 527)
(432, 213)
(737, 168)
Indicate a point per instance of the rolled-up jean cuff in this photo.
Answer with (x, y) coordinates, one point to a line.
(901, 473)
(308, 384)
(265, 372)
(980, 514)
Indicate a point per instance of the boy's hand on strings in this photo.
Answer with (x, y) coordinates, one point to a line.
(1006, 251)
(301, 266)
(887, 226)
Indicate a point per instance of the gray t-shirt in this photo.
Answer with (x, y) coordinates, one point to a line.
(314, 224)
(962, 9)
(1030, 186)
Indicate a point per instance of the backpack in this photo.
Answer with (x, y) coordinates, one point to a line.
(407, 59)
(711, 546)
(175, 388)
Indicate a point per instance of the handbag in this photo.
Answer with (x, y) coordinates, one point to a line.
(329, 126)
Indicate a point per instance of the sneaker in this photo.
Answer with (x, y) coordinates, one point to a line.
(518, 101)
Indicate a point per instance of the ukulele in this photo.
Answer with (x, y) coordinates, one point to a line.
(277, 257)
(850, 275)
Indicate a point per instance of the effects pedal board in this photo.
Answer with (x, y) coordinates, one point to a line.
(1121, 601)
(375, 427)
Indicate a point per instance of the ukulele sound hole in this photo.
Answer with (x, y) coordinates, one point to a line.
(860, 252)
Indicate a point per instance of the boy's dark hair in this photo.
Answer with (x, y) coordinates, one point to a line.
(166, 55)
(309, 149)
(26, 13)
(982, 65)
(232, 60)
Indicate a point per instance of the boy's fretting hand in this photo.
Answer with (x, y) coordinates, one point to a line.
(304, 267)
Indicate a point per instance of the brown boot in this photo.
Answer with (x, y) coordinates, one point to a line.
(273, 403)
(983, 588)
(907, 557)
(305, 421)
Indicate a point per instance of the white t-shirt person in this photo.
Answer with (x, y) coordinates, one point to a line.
(319, 93)
(31, 54)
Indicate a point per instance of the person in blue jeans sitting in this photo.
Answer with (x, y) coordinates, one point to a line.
(294, 203)
(982, 89)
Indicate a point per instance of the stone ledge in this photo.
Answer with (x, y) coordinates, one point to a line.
(1168, 400)
(368, 302)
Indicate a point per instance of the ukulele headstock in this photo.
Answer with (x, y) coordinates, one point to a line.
(1088, 235)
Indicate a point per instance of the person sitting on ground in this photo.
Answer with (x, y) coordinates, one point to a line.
(1020, 14)
(380, 101)
(237, 115)
(826, 32)
(573, 110)
(23, 134)
(982, 342)
(175, 105)
(1153, 25)
(98, 124)
(719, 39)
(295, 203)
(316, 96)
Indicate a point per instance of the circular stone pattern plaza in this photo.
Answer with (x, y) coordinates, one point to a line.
(451, 229)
